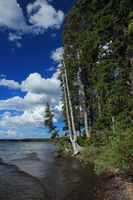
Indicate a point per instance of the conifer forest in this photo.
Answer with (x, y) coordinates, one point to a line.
(96, 77)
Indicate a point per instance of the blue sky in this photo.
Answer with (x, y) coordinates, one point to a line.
(30, 49)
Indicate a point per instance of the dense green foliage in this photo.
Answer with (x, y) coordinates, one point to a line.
(114, 152)
(98, 52)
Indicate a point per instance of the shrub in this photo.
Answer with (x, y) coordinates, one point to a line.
(109, 151)
(118, 153)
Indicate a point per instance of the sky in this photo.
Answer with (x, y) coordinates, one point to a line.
(30, 52)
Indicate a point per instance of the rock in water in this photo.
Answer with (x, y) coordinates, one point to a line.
(57, 155)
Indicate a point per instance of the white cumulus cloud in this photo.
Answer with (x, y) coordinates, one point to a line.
(57, 54)
(36, 84)
(11, 15)
(11, 133)
(30, 108)
(28, 117)
(15, 37)
(9, 83)
(43, 15)
(50, 69)
(8, 133)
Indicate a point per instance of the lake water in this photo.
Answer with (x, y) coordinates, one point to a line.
(29, 171)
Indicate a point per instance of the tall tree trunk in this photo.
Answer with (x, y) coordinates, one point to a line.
(74, 138)
(113, 124)
(129, 59)
(67, 107)
(84, 103)
(131, 78)
(85, 108)
(99, 105)
(79, 107)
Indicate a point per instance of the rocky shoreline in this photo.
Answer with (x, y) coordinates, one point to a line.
(116, 185)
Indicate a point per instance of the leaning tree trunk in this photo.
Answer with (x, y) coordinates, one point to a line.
(67, 107)
(74, 138)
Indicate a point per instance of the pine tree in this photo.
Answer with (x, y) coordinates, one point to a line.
(48, 122)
